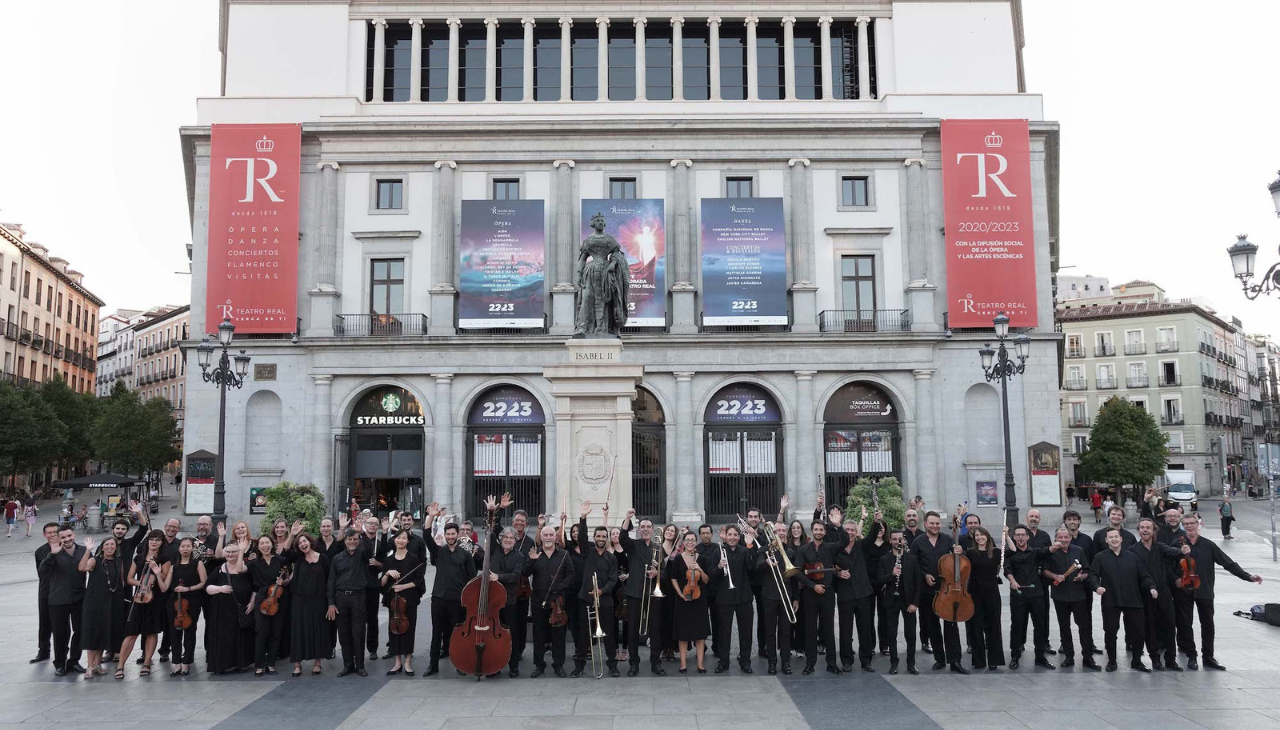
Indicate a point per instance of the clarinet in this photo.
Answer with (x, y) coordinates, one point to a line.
(897, 579)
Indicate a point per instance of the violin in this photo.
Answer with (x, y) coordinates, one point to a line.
(145, 592)
(557, 616)
(399, 606)
(953, 602)
(1188, 580)
(181, 606)
(817, 571)
(481, 644)
(692, 586)
(271, 604)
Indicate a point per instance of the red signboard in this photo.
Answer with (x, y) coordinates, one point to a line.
(986, 181)
(254, 183)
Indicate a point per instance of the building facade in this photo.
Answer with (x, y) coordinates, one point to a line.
(160, 368)
(115, 350)
(1082, 287)
(412, 110)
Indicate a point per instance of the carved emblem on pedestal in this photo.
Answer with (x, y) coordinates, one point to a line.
(594, 464)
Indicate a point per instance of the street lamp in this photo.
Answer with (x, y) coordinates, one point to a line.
(1243, 255)
(997, 365)
(223, 376)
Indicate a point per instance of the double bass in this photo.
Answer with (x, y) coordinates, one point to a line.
(953, 602)
(481, 644)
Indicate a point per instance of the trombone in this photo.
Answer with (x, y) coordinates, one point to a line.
(646, 596)
(781, 572)
(597, 635)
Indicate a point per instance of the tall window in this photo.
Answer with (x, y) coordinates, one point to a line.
(435, 62)
(770, 61)
(39, 290)
(738, 187)
(59, 312)
(657, 62)
(546, 63)
(471, 50)
(386, 286)
(622, 188)
(585, 63)
(622, 63)
(733, 61)
(844, 60)
(506, 189)
(399, 60)
(510, 62)
(369, 30)
(696, 54)
(807, 48)
(48, 298)
(858, 283)
(390, 194)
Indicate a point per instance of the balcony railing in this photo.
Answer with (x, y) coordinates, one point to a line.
(57, 351)
(1166, 381)
(1074, 353)
(379, 325)
(865, 320)
(1212, 419)
(1172, 419)
(10, 330)
(1108, 383)
(48, 347)
(24, 336)
(173, 373)
(1106, 350)
(1074, 421)
(1167, 346)
(1075, 384)
(91, 365)
(1205, 349)
(1135, 348)
(37, 341)
(1137, 381)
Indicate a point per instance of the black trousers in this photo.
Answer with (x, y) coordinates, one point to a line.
(184, 645)
(654, 630)
(582, 643)
(45, 630)
(883, 637)
(943, 636)
(372, 600)
(757, 591)
(544, 633)
(1020, 609)
(1044, 598)
(520, 626)
(166, 633)
(1226, 526)
(1079, 611)
(890, 611)
(714, 611)
(819, 624)
(507, 614)
(1133, 621)
(986, 637)
(728, 612)
(1185, 604)
(856, 611)
(777, 631)
(446, 613)
(66, 633)
(351, 622)
(266, 637)
(1161, 623)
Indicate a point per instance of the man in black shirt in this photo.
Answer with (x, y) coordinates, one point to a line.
(817, 595)
(507, 565)
(1158, 612)
(598, 562)
(524, 543)
(1115, 519)
(898, 582)
(776, 617)
(1200, 600)
(1067, 569)
(66, 594)
(1038, 538)
(552, 572)
(704, 547)
(732, 578)
(646, 568)
(454, 569)
(853, 595)
(1171, 531)
(1071, 519)
(945, 638)
(45, 630)
(755, 577)
(1026, 591)
(911, 526)
(1120, 578)
(348, 576)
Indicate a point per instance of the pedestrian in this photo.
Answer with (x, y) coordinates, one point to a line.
(29, 512)
(11, 509)
(1071, 496)
(1107, 504)
(1226, 512)
(1095, 501)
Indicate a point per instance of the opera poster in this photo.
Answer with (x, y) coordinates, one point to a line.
(986, 494)
(744, 261)
(501, 264)
(640, 228)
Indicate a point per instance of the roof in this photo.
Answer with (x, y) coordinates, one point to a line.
(8, 229)
(163, 317)
(1139, 309)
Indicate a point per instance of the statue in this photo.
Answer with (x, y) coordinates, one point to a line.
(604, 284)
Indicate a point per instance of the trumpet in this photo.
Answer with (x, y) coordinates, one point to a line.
(597, 634)
(655, 547)
(724, 560)
(780, 571)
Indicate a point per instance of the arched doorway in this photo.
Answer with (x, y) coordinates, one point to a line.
(860, 439)
(743, 441)
(506, 450)
(386, 447)
(648, 457)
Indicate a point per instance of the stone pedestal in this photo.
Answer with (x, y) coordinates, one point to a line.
(562, 310)
(804, 308)
(324, 305)
(443, 300)
(920, 303)
(684, 315)
(593, 394)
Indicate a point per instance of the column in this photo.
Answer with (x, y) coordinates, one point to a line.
(713, 44)
(321, 446)
(324, 297)
(454, 25)
(789, 56)
(683, 249)
(566, 59)
(379, 58)
(864, 60)
(824, 25)
(415, 65)
(686, 508)
(920, 292)
(677, 59)
(490, 59)
(528, 58)
(640, 69)
(602, 59)
(807, 471)
(562, 293)
(753, 75)
(926, 471)
(442, 445)
(442, 288)
(804, 292)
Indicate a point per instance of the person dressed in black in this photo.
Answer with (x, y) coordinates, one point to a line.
(552, 571)
(229, 639)
(507, 565)
(734, 599)
(374, 545)
(777, 590)
(269, 570)
(1115, 519)
(688, 574)
(854, 593)
(1120, 577)
(898, 583)
(598, 564)
(103, 608)
(646, 562)
(1188, 599)
(1026, 591)
(402, 578)
(187, 579)
(1038, 538)
(520, 616)
(817, 594)
(984, 586)
(454, 569)
(567, 536)
(149, 575)
(707, 546)
(1171, 532)
(348, 576)
(329, 544)
(944, 636)
(754, 519)
(876, 550)
(1158, 612)
(1067, 571)
(45, 628)
(308, 631)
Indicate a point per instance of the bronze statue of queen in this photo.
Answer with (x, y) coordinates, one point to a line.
(604, 284)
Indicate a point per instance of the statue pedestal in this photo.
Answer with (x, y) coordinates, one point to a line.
(593, 394)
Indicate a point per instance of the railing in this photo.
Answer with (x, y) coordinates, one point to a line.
(1074, 353)
(77, 359)
(11, 330)
(1212, 419)
(864, 320)
(1135, 348)
(48, 346)
(1167, 346)
(1108, 383)
(1204, 349)
(57, 351)
(1167, 381)
(1137, 381)
(379, 325)
(173, 372)
(1106, 350)
(91, 365)
(24, 336)
(1078, 421)
(37, 341)
(1172, 419)
(67, 352)
(1075, 384)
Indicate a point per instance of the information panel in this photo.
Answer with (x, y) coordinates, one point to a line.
(640, 229)
(744, 261)
(501, 264)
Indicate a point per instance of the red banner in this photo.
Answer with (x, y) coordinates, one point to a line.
(986, 182)
(255, 175)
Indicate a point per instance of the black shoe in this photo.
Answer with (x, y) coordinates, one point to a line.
(1097, 651)
(77, 669)
(394, 672)
(1042, 662)
(722, 668)
(773, 668)
(786, 668)
(1050, 652)
(633, 670)
(993, 668)
(138, 661)
(926, 649)
(911, 668)
(164, 656)
(807, 671)
(846, 668)
(1014, 663)
(362, 672)
(59, 672)
(345, 671)
(1156, 664)
(866, 667)
(577, 672)
(1138, 665)
(745, 667)
(1111, 666)
(657, 670)
(1089, 663)
(41, 657)
(1173, 666)
(559, 672)
(613, 671)
(1209, 663)
(958, 668)
(939, 665)
(1069, 661)
(1192, 664)
(373, 655)
(432, 668)
(834, 669)
(537, 672)
(513, 672)
(893, 667)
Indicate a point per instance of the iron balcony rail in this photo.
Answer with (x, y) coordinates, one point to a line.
(1106, 350)
(1078, 421)
(1108, 383)
(1165, 381)
(1135, 348)
(1075, 384)
(1138, 381)
(380, 325)
(1074, 353)
(864, 320)
(1172, 419)
(1167, 346)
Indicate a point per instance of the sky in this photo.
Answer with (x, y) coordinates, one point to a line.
(1169, 137)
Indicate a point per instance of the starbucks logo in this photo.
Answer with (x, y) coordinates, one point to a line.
(390, 402)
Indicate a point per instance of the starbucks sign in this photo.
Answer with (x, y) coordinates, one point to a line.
(388, 406)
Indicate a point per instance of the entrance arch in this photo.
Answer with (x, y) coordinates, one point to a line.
(648, 456)
(860, 439)
(386, 444)
(743, 443)
(506, 450)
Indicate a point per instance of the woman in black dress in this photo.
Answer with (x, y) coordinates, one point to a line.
(267, 569)
(188, 579)
(330, 545)
(229, 640)
(402, 577)
(796, 539)
(284, 541)
(102, 617)
(984, 586)
(145, 619)
(691, 622)
(670, 544)
(619, 593)
(307, 625)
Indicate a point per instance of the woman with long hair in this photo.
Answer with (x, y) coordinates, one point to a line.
(283, 536)
(307, 625)
(268, 570)
(402, 578)
(103, 609)
(29, 512)
(145, 619)
(619, 595)
(984, 587)
(239, 535)
(188, 579)
(670, 546)
(796, 539)
(692, 622)
(229, 640)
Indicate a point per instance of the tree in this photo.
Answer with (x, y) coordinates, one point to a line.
(134, 436)
(888, 491)
(288, 501)
(158, 442)
(77, 412)
(40, 438)
(1125, 446)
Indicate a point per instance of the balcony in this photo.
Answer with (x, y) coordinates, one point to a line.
(1074, 353)
(380, 325)
(1137, 381)
(24, 336)
(1108, 383)
(1167, 346)
(1135, 348)
(77, 359)
(1167, 381)
(1074, 421)
(91, 365)
(48, 347)
(1205, 349)
(864, 320)
(173, 373)
(10, 329)
(1075, 384)
(1212, 419)
(1172, 419)
(1104, 350)
(58, 352)
(37, 341)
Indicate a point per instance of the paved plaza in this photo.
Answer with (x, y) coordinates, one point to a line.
(1245, 697)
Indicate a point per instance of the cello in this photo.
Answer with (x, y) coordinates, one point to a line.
(481, 644)
(953, 602)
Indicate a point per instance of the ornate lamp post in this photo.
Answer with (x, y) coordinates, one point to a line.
(222, 376)
(1243, 255)
(997, 365)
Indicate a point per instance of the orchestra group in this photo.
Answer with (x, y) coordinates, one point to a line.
(672, 593)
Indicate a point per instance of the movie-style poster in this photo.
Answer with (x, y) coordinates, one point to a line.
(744, 261)
(501, 264)
(640, 228)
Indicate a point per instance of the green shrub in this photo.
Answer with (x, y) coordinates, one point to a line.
(289, 501)
(892, 505)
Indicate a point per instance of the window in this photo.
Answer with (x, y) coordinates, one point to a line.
(390, 194)
(770, 61)
(386, 286)
(1103, 344)
(48, 298)
(398, 54)
(622, 188)
(738, 187)
(510, 81)
(1166, 339)
(695, 51)
(844, 60)
(658, 59)
(59, 312)
(1175, 442)
(733, 61)
(26, 284)
(471, 52)
(855, 191)
(13, 276)
(622, 63)
(435, 62)
(506, 189)
(858, 284)
(546, 63)
(807, 49)
(585, 62)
